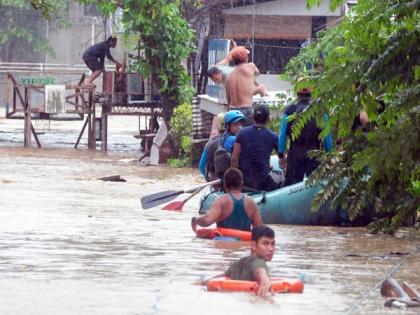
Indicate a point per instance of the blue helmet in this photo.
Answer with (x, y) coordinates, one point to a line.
(233, 116)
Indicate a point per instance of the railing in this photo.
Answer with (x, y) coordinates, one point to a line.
(18, 67)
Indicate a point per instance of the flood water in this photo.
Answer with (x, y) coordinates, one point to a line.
(72, 244)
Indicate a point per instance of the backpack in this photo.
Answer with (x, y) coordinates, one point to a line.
(211, 148)
(310, 132)
(221, 159)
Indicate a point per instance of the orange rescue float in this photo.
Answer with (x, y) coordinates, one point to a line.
(279, 285)
(223, 232)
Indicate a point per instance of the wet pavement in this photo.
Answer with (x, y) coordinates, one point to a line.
(72, 244)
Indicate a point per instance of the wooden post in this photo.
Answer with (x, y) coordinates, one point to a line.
(35, 136)
(93, 136)
(90, 106)
(28, 124)
(104, 130)
(81, 133)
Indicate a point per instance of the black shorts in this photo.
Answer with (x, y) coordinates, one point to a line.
(93, 63)
(248, 113)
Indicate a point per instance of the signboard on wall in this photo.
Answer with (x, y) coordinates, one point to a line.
(218, 49)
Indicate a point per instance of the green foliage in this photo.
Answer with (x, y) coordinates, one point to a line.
(46, 7)
(369, 63)
(165, 41)
(181, 130)
(22, 25)
(180, 163)
(334, 4)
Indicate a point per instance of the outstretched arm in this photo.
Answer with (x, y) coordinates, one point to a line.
(210, 217)
(109, 56)
(254, 212)
(260, 89)
(228, 57)
(254, 69)
(225, 60)
(202, 164)
(234, 162)
(328, 144)
(263, 279)
(205, 281)
(282, 135)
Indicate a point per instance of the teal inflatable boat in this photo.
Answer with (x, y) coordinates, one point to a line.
(287, 205)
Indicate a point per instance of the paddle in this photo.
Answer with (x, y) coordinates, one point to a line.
(157, 199)
(178, 205)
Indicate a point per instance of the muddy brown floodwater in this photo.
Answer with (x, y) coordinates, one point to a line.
(72, 244)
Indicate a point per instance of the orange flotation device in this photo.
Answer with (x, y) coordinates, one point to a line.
(279, 285)
(213, 233)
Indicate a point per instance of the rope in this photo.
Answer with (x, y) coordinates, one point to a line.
(357, 304)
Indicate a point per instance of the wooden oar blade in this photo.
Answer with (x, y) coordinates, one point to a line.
(157, 199)
(174, 206)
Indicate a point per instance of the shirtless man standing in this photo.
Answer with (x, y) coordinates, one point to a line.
(240, 86)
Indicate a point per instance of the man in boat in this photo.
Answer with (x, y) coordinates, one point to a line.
(252, 151)
(233, 121)
(94, 58)
(233, 210)
(298, 162)
(254, 267)
(206, 164)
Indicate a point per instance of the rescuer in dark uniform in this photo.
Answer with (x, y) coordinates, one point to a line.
(298, 162)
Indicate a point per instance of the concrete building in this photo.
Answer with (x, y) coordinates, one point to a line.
(274, 32)
(85, 27)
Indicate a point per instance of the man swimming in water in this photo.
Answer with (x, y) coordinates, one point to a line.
(254, 267)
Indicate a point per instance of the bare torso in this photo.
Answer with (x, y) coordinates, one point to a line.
(240, 85)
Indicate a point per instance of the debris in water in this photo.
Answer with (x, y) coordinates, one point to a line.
(401, 296)
(114, 178)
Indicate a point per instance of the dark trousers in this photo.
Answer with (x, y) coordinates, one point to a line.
(261, 184)
(298, 164)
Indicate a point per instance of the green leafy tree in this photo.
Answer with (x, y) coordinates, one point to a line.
(369, 63)
(22, 25)
(181, 129)
(164, 40)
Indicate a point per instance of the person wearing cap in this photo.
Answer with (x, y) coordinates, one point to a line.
(233, 121)
(298, 162)
(94, 57)
(206, 164)
(240, 84)
(252, 151)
